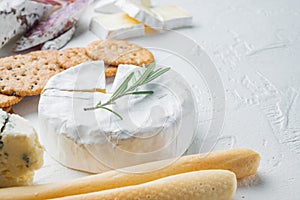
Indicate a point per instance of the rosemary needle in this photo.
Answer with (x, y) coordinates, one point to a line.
(124, 89)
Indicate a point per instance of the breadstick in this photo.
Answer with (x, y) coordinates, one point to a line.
(199, 185)
(243, 162)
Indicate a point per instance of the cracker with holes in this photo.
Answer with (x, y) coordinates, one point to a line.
(7, 109)
(72, 56)
(7, 101)
(26, 75)
(115, 52)
(110, 71)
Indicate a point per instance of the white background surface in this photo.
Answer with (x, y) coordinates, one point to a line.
(255, 46)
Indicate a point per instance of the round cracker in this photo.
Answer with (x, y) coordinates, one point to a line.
(110, 71)
(72, 56)
(7, 109)
(7, 101)
(26, 75)
(115, 52)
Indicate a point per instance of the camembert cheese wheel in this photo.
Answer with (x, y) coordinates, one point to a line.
(154, 127)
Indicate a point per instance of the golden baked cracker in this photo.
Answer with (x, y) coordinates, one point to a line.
(7, 101)
(115, 52)
(72, 56)
(7, 109)
(26, 75)
(111, 71)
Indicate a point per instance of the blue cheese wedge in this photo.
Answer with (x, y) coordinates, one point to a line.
(154, 127)
(160, 18)
(116, 26)
(20, 151)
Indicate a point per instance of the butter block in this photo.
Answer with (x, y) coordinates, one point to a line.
(20, 151)
(116, 26)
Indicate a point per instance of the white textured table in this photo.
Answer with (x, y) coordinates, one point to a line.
(255, 46)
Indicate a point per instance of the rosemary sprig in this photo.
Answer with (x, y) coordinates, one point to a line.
(124, 89)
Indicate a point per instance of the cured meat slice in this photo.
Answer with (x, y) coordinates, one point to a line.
(54, 25)
(18, 16)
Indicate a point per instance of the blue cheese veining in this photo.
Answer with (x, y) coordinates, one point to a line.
(20, 151)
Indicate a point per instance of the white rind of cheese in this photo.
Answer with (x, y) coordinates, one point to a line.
(141, 13)
(20, 151)
(96, 141)
(107, 7)
(160, 18)
(78, 78)
(116, 26)
(3, 117)
(173, 17)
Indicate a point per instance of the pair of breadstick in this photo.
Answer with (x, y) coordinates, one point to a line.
(210, 176)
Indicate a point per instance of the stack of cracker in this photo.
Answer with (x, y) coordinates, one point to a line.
(27, 74)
